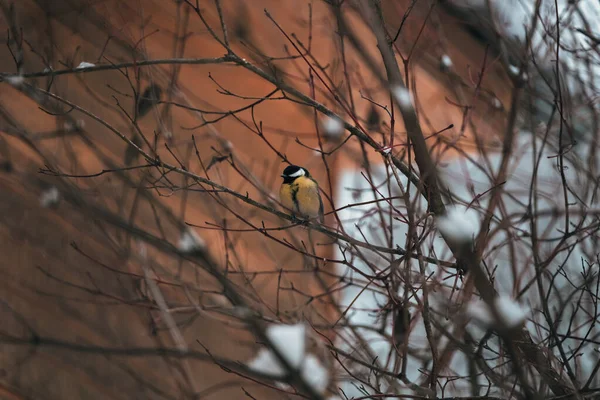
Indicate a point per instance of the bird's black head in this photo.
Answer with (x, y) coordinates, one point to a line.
(292, 172)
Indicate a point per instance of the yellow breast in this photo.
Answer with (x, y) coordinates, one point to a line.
(308, 200)
(286, 197)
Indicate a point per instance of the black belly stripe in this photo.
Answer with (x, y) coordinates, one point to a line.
(294, 190)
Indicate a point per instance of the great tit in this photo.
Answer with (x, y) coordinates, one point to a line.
(299, 192)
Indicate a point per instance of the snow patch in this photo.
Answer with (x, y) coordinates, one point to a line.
(403, 97)
(446, 62)
(190, 242)
(496, 103)
(459, 224)
(315, 374)
(266, 363)
(386, 150)
(333, 127)
(290, 342)
(15, 80)
(513, 70)
(50, 197)
(85, 64)
(511, 313)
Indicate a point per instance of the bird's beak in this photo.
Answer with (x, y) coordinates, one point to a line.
(283, 176)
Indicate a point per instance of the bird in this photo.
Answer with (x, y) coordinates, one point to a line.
(299, 193)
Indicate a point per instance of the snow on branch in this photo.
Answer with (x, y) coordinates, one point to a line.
(290, 342)
(510, 313)
(460, 224)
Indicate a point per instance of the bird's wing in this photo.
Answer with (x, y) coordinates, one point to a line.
(321, 211)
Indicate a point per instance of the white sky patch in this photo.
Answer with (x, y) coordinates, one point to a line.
(15, 80)
(85, 64)
(50, 197)
(510, 312)
(190, 241)
(403, 97)
(333, 127)
(459, 224)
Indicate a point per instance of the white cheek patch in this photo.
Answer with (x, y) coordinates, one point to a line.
(300, 172)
